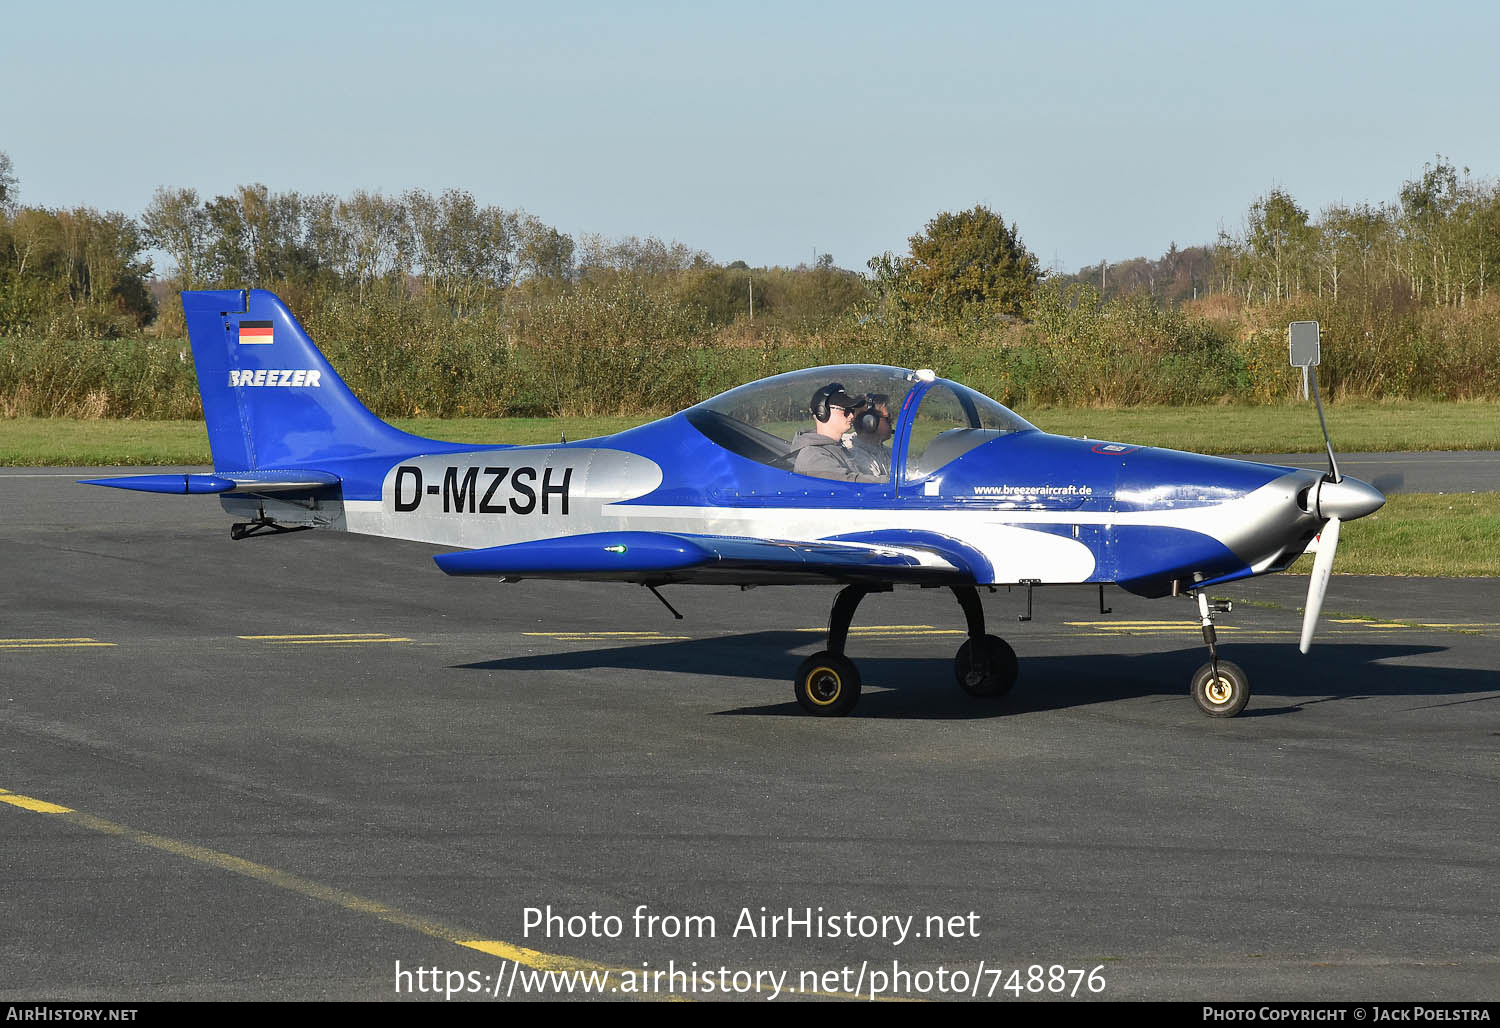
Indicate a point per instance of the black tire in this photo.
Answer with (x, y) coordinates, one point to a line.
(1225, 696)
(827, 685)
(1000, 672)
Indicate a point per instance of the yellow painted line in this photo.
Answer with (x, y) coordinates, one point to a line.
(915, 632)
(590, 638)
(347, 639)
(531, 957)
(338, 897)
(866, 628)
(1373, 624)
(592, 635)
(1145, 624)
(58, 639)
(1350, 621)
(1117, 629)
(599, 635)
(1246, 630)
(334, 635)
(51, 646)
(1139, 634)
(335, 642)
(1190, 634)
(907, 631)
(903, 635)
(27, 803)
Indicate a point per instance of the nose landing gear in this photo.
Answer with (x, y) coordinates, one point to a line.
(828, 683)
(1220, 688)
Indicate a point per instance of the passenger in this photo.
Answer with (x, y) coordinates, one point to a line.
(872, 427)
(820, 451)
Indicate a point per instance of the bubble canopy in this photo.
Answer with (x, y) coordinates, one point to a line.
(937, 419)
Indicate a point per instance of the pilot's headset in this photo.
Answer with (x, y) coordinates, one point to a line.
(821, 409)
(868, 422)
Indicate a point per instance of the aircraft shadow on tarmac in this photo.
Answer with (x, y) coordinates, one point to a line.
(924, 687)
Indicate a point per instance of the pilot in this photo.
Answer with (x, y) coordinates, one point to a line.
(872, 427)
(820, 450)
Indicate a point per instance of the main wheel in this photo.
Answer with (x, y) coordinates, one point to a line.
(827, 685)
(1224, 695)
(999, 673)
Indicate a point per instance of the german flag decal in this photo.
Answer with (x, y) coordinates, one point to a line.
(256, 332)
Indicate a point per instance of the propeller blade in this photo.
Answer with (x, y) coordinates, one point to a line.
(1317, 586)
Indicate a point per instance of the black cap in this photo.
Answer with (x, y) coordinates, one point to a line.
(833, 395)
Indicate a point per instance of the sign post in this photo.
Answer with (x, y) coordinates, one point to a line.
(1305, 344)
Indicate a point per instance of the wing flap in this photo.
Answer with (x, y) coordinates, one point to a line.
(658, 557)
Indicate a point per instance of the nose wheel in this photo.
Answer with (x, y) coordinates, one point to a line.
(828, 684)
(1220, 688)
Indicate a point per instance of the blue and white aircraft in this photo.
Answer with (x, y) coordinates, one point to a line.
(974, 496)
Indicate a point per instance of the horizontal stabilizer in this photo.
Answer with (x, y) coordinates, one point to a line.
(222, 482)
(671, 557)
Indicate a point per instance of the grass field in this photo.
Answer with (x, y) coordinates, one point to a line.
(1354, 427)
(1381, 427)
(1432, 535)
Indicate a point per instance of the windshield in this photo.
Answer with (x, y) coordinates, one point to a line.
(952, 420)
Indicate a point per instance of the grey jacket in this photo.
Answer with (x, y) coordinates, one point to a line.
(871, 458)
(821, 457)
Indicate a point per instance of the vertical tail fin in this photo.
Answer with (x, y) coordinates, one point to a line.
(270, 399)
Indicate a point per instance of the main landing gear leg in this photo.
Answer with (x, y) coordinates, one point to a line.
(1220, 688)
(985, 664)
(827, 683)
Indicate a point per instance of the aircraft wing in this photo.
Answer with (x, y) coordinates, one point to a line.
(656, 558)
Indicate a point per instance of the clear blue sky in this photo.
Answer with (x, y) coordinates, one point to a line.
(760, 131)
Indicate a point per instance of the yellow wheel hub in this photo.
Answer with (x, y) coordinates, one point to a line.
(1219, 690)
(824, 686)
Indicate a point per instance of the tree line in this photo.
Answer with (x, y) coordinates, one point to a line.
(82, 271)
(1437, 243)
(85, 273)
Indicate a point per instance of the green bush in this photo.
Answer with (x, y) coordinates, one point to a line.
(618, 348)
